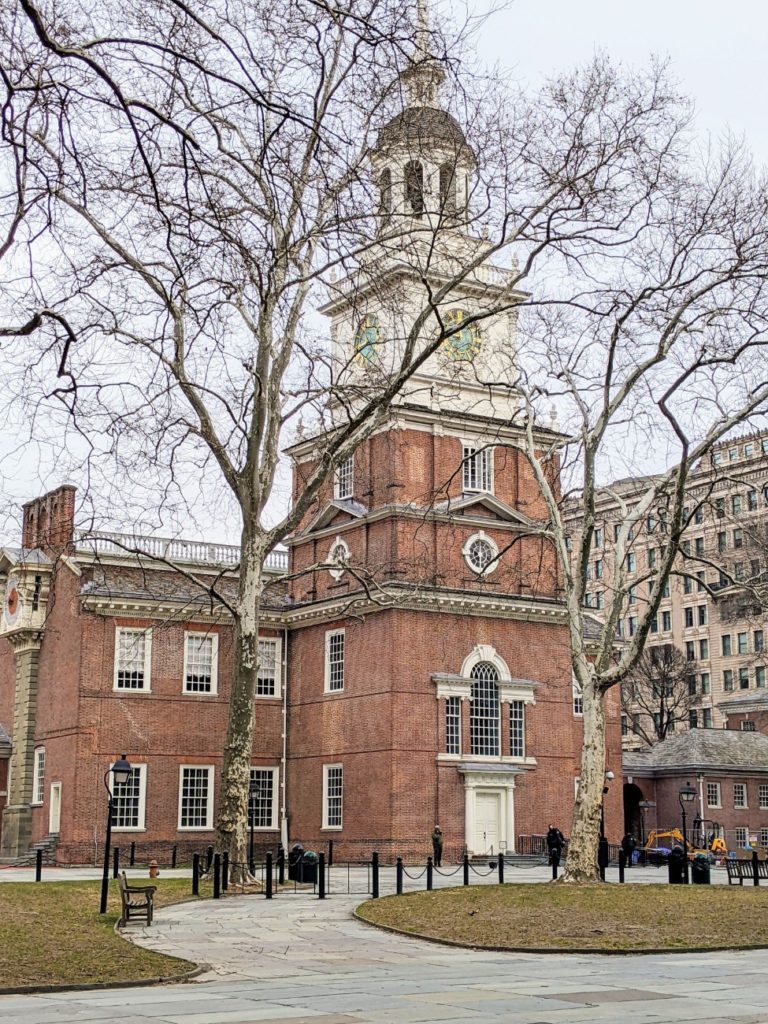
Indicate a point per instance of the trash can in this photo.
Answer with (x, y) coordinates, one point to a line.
(295, 855)
(676, 866)
(308, 867)
(700, 873)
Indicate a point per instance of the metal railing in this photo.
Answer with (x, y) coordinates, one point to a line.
(173, 549)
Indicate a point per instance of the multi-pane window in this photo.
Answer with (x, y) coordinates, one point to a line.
(128, 800)
(333, 795)
(477, 471)
(578, 697)
(200, 662)
(344, 481)
(597, 538)
(699, 546)
(743, 678)
(762, 795)
(195, 793)
(741, 643)
(701, 613)
(713, 794)
(757, 638)
(687, 585)
(725, 642)
(666, 621)
(690, 650)
(701, 581)
(484, 713)
(598, 599)
(693, 719)
(707, 718)
(740, 835)
(747, 726)
(624, 725)
(722, 542)
(453, 725)
(268, 672)
(334, 661)
(516, 728)
(739, 794)
(736, 504)
(598, 568)
(706, 684)
(764, 838)
(262, 792)
(38, 776)
(728, 679)
(132, 654)
(738, 538)
(688, 617)
(752, 500)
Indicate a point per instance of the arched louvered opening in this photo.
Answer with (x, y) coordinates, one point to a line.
(447, 188)
(414, 187)
(385, 193)
(484, 711)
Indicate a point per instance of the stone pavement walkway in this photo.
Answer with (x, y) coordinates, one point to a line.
(295, 959)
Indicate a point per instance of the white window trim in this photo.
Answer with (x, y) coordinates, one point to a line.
(576, 694)
(278, 694)
(337, 477)
(141, 827)
(275, 796)
(325, 826)
(208, 827)
(339, 572)
(214, 664)
(719, 803)
(327, 679)
(745, 805)
(493, 564)
(478, 447)
(37, 778)
(147, 631)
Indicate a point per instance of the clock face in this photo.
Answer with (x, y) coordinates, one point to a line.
(12, 608)
(367, 339)
(465, 342)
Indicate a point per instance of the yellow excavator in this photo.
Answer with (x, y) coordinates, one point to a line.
(716, 845)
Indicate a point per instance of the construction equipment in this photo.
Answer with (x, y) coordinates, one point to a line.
(714, 844)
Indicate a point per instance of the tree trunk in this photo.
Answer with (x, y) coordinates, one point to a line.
(581, 864)
(232, 820)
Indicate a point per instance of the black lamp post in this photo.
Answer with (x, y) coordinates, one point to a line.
(251, 793)
(602, 846)
(687, 795)
(120, 772)
(609, 777)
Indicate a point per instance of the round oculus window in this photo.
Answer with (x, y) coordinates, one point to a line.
(480, 554)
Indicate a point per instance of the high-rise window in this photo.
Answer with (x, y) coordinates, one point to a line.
(713, 794)
(728, 679)
(743, 678)
(484, 712)
(740, 795)
(516, 728)
(344, 479)
(333, 795)
(195, 797)
(132, 658)
(268, 671)
(762, 793)
(453, 725)
(725, 645)
(262, 798)
(334, 660)
(38, 776)
(741, 643)
(701, 613)
(477, 472)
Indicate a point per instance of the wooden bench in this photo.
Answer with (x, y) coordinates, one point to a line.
(741, 867)
(136, 899)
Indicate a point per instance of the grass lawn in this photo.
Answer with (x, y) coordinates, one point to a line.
(51, 933)
(595, 917)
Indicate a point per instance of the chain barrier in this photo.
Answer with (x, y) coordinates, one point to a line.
(447, 874)
(414, 878)
(483, 874)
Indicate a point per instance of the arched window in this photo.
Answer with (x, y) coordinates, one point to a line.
(484, 711)
(447, 189)
(414, 187)
(385, 193)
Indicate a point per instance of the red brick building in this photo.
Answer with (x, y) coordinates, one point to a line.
(416, 669)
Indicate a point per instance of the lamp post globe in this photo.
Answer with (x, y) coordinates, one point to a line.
(686, 796)
(120, 772)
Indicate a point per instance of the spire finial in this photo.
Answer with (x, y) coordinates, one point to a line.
(422, 30)
(425, 75)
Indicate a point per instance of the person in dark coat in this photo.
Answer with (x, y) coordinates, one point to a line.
(628, 846)
(437, 846)
(555, 843)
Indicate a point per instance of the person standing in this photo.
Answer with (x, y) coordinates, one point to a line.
(555, 842)
(437, 846)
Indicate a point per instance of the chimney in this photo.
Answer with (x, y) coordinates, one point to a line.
(49, 522)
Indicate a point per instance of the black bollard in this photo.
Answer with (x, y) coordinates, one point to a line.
(374, 875)
(554, 869)
(399, 876)
(225, 871)
(115, 861)
(466, 869)
(501, 869)
(281, 865)
(38, 865)
(217, 876)
(755, 869)
(429, 874)
(622, 864)
(268, 885)
(330, 853)
(195, 874)
(132, 855)
(321, 877)
(174, 852)
(208, 858)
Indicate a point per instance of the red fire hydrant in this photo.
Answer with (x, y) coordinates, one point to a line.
(154, 870)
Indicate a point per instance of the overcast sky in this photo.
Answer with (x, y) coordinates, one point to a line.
(718, 51)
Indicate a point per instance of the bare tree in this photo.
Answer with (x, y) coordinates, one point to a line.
(203, 177)
(659, 692)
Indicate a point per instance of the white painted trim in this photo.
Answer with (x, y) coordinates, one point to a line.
(479, 445)
(38, 778)
(325, 826)
(147, 631)
(327, 677)
(484, 652)
(214, 637)
(493, 565)
(337, 542)
(209, 809)
(141, 827)
(274, 827)
(54, 810)
(278, 643)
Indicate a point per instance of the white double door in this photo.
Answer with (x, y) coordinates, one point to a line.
(488, 819)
